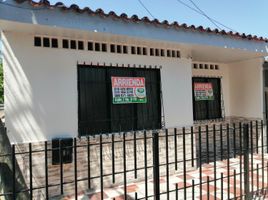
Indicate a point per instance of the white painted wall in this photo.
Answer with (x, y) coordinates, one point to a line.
(246, 91)
(41, 87)
(223, 73)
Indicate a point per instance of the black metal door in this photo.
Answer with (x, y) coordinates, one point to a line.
(208, 109)
(97, 113)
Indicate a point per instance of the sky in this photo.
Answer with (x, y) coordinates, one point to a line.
(243, 16)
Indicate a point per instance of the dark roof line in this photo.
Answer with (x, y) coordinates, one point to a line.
(135, 18)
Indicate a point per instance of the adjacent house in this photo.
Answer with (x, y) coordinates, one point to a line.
(71, 72)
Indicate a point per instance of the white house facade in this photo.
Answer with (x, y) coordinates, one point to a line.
(58, 64)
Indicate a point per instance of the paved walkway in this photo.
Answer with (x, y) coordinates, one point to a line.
(235, 185)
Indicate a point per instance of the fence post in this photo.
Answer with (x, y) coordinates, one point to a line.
(246, 161)
(156, 165)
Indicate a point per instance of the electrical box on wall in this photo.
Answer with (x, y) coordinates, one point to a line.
(62, 151)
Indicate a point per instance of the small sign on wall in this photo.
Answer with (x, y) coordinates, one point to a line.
(128, 90)
(203, 91)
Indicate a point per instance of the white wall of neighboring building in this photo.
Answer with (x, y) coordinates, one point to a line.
(246, 91)
(41, 87)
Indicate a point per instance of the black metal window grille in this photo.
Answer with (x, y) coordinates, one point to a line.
(208, 109)
(97, 113)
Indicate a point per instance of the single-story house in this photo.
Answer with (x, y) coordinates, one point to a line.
(71, 72)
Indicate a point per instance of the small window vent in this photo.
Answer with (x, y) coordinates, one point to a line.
(144, 51)
(156, 52)
(97, 46)
(65, 44)
(37, 41)
(90, 46)
(112, 48)
(119, 49)
(205, 66)
(162, 52)
(173, 53)
(178, 54)
(168, 53)
(46, 42)
(54, 43)
(73, 44)
(103, 47)
(151, 52)
(80, 45)
(133, 50)
(125, 50)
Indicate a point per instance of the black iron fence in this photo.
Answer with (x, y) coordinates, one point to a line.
(223, 161)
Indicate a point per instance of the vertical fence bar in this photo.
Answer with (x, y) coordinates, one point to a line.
(228, 160)
(262, 154)
(135, 155)
(193, 187)
(61, 167)
(156, 165)
(125, 165)
(215, 167)
(252, 151)
(192, 145)
(167, 164)
(46, 170)
(257, 137)
(101, 168)
(75, 169)
(177, 192)
(31, 170)
(184, 163)
(240, 157)
(208, 192)
(266, 128)
(200, 161)
(234, 139)
(113, 159)
(13, 172)
(207, 144)
(267, 173)
(235, 184)
(221, 185)
(88, 163)
(221, 145)
(176, 148)
(145, 164)
(246, 161)
(258, 181)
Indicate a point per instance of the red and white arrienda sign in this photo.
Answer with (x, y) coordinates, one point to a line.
(203, 91)
(128, 90)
